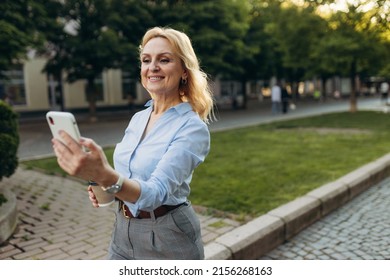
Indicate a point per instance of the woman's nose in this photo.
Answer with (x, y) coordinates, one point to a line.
(155, 67)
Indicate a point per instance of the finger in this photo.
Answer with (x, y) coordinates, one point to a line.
(95, 203)
(65, 157)
(60, 149)
(90, 145)
(90, 191)
(62, 153)
(71, 143)
(92, 196)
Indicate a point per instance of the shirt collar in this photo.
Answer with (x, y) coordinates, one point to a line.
(180, 108)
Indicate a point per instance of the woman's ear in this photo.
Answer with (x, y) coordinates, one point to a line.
(184, 75)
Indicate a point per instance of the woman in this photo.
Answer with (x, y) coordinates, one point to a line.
(162, 146)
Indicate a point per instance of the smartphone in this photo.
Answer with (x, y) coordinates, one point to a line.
(62, 121)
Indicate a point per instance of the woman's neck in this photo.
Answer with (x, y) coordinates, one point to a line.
(160, 105)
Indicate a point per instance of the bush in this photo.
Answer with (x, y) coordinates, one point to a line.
(9, 140)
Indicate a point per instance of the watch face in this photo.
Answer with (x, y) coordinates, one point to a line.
(114, 189)
(117, 187)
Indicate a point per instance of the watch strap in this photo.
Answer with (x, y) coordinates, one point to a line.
(116, 187)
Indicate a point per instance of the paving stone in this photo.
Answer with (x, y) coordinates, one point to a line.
(8, 254)
(49, 254)
(362, 222)
(70, 228)
(358, 230)
(29, 255)
(81, 248)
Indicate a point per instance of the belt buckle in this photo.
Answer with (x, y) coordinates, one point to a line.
(124, 211)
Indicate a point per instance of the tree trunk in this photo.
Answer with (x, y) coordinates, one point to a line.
(61, 91)
(294, 91)
(323, 89)
(91, 98)
(244, 96)
(353, 98)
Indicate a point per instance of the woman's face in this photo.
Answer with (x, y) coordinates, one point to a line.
(161, 68)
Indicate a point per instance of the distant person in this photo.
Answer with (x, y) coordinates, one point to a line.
(155, 161)
(8, 99)
(317, 95)
(384, 90)
(276, 98)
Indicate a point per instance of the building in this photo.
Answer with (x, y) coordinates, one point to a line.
(30, 90)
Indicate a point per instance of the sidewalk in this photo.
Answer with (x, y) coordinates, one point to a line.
(57, 220)
(359, 230)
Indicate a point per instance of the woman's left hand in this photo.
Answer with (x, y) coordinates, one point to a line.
(92, 197)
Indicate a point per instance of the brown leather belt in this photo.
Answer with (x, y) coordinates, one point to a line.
(158, 212)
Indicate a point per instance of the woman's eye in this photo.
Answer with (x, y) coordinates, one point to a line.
(145, 60)
(165, 60)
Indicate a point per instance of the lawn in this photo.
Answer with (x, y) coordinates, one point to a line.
(252, 170)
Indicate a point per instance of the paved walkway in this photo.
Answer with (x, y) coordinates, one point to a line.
(57, 220)
(360, 230)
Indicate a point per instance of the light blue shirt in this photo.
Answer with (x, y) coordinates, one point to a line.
(163, 162)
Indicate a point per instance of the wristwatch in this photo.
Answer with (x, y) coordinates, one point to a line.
(116, 187)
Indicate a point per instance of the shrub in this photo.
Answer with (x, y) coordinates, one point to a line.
(9, 140)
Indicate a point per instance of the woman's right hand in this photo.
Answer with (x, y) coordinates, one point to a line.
(89, 164)
(92, 197)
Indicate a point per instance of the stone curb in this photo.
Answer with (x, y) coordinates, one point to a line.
(8, 217)
(259, 236)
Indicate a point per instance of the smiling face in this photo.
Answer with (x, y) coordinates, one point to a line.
(161, 68)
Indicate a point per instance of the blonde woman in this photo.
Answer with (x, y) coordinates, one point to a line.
(154, 162)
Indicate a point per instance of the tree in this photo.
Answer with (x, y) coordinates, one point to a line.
(91, 46)
(112, 29)
(130, 19)
(216, 28)
(9, 140)
(18, 21)
(265, 61)
(54, 45)
(352, 46)
(82, 43)
(295, 31)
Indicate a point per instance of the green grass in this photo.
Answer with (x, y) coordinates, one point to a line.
(50, 166)
(252, 170)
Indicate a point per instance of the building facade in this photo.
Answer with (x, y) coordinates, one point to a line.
(29, 90)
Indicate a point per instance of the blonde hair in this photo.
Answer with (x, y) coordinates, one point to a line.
(196, 91)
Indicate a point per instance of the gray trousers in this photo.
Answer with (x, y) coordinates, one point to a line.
(176, 235)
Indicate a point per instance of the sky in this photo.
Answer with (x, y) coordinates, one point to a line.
(341, 5)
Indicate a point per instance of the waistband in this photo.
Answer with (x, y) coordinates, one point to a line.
(158, 212)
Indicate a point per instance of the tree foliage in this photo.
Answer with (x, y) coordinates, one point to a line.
(19, 22)
(9, 140)
(252, 39)
(216, 28)
(352, 46)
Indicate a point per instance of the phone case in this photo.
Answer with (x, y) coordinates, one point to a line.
(62, 121)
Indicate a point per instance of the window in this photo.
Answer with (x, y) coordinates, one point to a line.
(128, 87)
(12, 88)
